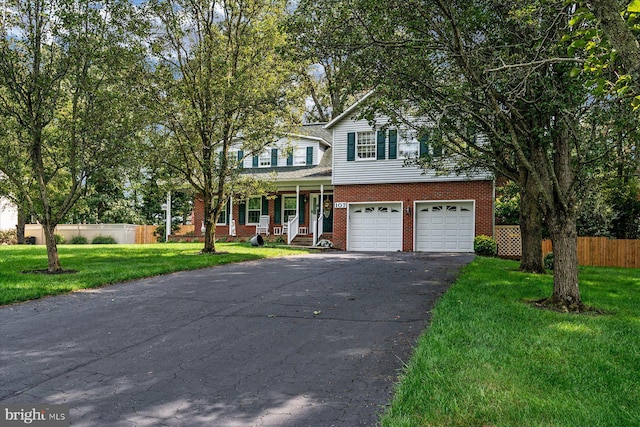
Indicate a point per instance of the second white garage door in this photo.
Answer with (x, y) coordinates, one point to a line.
(375, 227)
(444, 227)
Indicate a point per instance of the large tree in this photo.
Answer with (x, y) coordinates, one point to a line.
(323, 40)
(501, 71)
(65, 89)
(223, 81)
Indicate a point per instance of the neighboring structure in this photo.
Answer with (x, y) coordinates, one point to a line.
(352, 187)
(8, 215)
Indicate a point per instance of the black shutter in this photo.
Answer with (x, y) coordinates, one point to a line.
(242, 213)
(277, 209)
(265, 205)
(309, 156)
(351, 146)
(301, 211)
(240, 159)
(393, 144)
(424, 145)
(274, 157)
(255, 161)
(290, 158)
(380, 144)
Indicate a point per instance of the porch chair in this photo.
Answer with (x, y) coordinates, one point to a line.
(263, 226)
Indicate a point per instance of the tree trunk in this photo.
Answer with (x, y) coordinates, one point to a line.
(22, 219)
(566, 292)
(531, 233)
(209, 225)
(52, 249)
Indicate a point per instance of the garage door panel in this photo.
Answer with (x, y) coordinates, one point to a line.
(444, 227)
(375, 227)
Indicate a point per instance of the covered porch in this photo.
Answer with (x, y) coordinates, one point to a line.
(298, 213)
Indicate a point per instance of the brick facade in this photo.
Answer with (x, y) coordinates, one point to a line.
(243, 231)
(480, 191)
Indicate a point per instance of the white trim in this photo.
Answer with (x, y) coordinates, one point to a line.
(350, 204)
(415, 215)
(312, 138)
(348, 110)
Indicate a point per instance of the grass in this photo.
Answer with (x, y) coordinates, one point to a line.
(490, 359)
(100, 265)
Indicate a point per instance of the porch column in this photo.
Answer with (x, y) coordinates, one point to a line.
(321, 200)
(168, 223)
(232, 229)
(298, 202)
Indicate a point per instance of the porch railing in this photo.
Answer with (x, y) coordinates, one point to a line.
(318, 229)
(292, 228)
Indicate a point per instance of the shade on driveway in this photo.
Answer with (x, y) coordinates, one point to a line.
(313, 340)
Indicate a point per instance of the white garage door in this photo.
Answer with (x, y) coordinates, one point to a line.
(444, 227)
(375, 227)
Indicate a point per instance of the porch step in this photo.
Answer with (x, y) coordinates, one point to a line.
(302, 240)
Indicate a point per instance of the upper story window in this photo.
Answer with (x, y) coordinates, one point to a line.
(299, 157)
(409, 145)
(265, 159)
(366, 145)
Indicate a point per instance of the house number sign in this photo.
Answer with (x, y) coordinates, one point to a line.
(340, 205)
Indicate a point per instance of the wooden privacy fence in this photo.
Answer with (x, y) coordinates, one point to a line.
(144, 234)
(604, 252)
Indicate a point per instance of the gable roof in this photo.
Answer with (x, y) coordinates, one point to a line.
(348, 111)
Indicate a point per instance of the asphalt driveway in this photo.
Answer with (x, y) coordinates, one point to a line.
(313, 340)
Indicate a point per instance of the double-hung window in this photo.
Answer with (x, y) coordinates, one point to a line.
(265, 159)
(408, 145)
(254, 209)
(289, 207)
(366, 145)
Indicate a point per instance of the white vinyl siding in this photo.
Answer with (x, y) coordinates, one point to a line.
(382, 171)
(299, 147)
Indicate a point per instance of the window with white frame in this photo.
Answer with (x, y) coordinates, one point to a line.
(366, 145)
(408, 145)
(265, 159)
(289, 207)
(254, 210)
(222, 219)
(300, 156)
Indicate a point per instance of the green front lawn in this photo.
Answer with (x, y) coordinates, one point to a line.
(99, 265)
(489, 359)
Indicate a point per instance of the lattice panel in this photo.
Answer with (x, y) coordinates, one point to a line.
(509, 241)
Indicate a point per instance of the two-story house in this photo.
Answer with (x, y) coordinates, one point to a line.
(301, 166)
(347, 182)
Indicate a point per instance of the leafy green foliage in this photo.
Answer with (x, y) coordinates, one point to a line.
(59, 239)
(485, 245)
(548, 261)
(8, 237)
(508, 205)
(78, 240)
(103, 240)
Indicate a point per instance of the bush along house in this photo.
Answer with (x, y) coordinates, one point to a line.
(346, 182)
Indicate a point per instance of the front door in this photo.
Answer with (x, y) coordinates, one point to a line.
(327, 205)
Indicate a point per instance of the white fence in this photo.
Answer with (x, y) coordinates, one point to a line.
(121, 233)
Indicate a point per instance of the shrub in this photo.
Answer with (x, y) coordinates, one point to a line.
(79, 240)
(8, 237)
(59, 239)
(548, 261)
(103, 240)
(485, 245)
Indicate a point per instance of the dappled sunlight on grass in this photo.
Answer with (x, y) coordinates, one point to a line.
(490, 358)
(99, 265)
